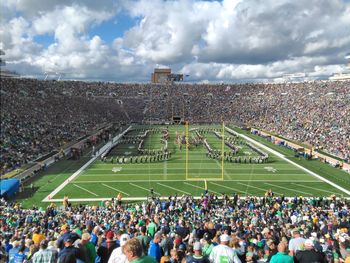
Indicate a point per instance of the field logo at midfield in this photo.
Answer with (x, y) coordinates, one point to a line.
(127, 153)
(116, 169)
(270, 169)
(131, 147)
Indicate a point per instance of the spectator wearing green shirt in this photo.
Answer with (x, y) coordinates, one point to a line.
(144, 239)
(208, 245)
(281, 256)
(151, 228)
(91, 250)
(133, 251)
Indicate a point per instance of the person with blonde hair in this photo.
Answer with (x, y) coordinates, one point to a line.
(133, 251)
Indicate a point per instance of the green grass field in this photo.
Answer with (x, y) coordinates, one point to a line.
(103, 179)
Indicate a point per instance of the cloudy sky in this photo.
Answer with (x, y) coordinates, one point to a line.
(229, 40)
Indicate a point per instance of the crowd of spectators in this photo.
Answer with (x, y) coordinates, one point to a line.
(179, 229)
(40, 116)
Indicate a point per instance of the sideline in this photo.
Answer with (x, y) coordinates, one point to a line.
(289, 161)
(81, 169)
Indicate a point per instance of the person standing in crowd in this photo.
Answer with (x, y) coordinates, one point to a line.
(183, 231)
(197, 257)
(309, 254)
(45, 255)
(94, 235)
(117, 255)
(296, 243)
(90, 248)
(133, 251)
(14, 250)
(223, 253)
(20, 256)
(69, 254)
(106, 248)
(167, 242)
(144, 239)
(154, 248)
(208, 245)
(271, 245)
(281, 256)
(65, 232)
(151, 228)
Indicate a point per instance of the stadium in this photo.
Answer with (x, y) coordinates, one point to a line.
(173, 169)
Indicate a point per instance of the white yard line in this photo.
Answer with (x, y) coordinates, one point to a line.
(115, 189)
(85, 189)
(74, 175)
(143, 188)
(196, 180)
(289, 161)
(201, 188)
(206, 168)
(251, 186)
(176, 189)
(199, 175)
(289, 189)
(314, 188)
(224, 186)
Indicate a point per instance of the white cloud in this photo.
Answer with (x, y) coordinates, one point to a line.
(230, 40)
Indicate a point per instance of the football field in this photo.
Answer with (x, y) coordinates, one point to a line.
(187, 160)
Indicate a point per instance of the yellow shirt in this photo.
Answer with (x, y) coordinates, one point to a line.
(37, 238)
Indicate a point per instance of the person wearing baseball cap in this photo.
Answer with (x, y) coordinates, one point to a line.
(197, 257)
(105, 250)
(309, 254)
(224, 253)
(208, 245)
(117, 255)
(65, 232)
(69, 253)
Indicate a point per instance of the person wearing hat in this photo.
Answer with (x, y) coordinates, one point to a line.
(197, 257)
(106, 248)
(65, 232)
(208, 245)
(281, 256)
(223, 253)
(44, 255)
(309, 254)
(90, 248)
(117, 255)
(69, 254)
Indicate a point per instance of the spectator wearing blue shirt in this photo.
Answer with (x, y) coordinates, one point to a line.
(19, 257)
(154, 248)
